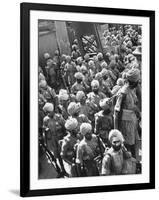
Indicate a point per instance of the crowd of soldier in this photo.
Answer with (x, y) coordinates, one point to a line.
(90, 106)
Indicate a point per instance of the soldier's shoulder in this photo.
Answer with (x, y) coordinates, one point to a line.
(99, 114)
(58, 116)
(108, 152)
(102, 95)
(90, 94)
(67, 138)
(123, 90)
(81, 144)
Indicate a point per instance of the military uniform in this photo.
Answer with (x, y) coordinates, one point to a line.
(87, 151)
(118, 162)
(93, 104)
(68, 153)
(103, 124)
(57, 130)
(127, 119)
(48, 94)
(70, 72)
(77, 87)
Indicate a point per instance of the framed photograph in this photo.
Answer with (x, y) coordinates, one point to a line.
(87, 99)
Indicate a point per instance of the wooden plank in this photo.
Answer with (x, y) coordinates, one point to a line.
(62, 38)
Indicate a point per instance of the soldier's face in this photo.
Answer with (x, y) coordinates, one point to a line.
(116, 144)
(88, 136)
(95, 88)
(79, 80)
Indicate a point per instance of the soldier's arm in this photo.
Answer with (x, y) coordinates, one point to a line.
(106, 165)
(64, 150)
(97, 125)
(117, 109)
(79, 155)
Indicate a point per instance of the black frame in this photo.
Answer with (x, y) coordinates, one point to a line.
(25, 9)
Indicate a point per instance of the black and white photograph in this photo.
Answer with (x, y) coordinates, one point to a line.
(88, 94)
(89, 99)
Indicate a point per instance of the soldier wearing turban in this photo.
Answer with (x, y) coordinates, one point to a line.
(74, 111)
(81, 99)
(68, 147)
(119, 84)
(46, 93)
(117, 159)
(93, 99)
(88, 150)
(78, 85)
(70, 68)
(63, 99)
(104, 120)
(126, 110)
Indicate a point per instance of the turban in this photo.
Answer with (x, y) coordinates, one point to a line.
(91, 63)
(83, 68)
(46, 55)
(129, 44)
(71, 124)
(68, 58)
(95, 83)
(73, 108)
(63, 95)
(80, 95)
(104, 103)
(79, 60)
(104, 72)
(85, 128)
(104, 65)
(48, 107)
(46, 119)
(120, 82)
(112, 64)
(137, 51)
(115, 133)
(86, 56)
(133, 75)
(63, 57)
(98, 76)
(42, 84)
(74, 47)
(95, 58)
(100, 56)
(78, 75)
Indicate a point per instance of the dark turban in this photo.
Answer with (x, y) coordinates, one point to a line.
(133, 75)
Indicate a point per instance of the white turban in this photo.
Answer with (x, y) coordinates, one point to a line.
(78, 75)
(63, 95)
(46, 119)
(116, 133)
(104, 72)
(133, 75)
(71, 124)
(85, 128)
(95, 83)
(120, 82)
(91, 63)
(104, 65)
(80, 95)
(83, 68)
(73, 108)
(98, 76)
(104, 103)
(100, 56)
(46, 55)
(48, 107)
(42, 84)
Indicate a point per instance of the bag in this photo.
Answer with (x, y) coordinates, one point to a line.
(128, 115)
(129, 166)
